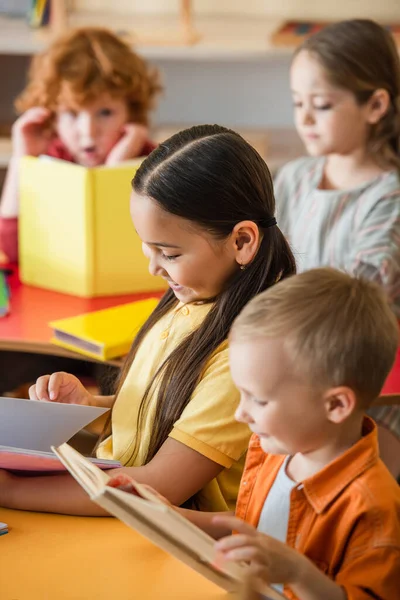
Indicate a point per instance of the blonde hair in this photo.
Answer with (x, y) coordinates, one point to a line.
(84, 63)
(338, 330)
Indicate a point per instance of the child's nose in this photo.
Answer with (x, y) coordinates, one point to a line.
(307, 117)
(155, 268)
(87, 128)
(242, 414)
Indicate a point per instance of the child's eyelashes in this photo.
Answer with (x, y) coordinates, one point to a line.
(299, 105)
(255, 400)
(170, 257)
(260, 402)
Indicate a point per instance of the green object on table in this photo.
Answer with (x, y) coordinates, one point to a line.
(4, 295)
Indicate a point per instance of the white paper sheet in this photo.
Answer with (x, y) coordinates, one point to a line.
(34, 425)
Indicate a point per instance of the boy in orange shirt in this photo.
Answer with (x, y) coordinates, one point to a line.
(318, 513)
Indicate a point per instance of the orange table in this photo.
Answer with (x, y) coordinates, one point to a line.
(46, 557)
(25, 333)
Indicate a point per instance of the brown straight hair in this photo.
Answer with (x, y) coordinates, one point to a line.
(212, 177)
(361, 56)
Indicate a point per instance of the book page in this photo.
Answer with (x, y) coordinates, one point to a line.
(33, 461)
(34, 425)
(88, 475)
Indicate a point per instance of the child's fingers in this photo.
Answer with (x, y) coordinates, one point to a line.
(230, 542)
(130, 144)
(122, 482)
(32, 392)
(4, 260)
(135, 130)
(245, 553)
(55, 382)
(36, 115)
(42, 388)
(235, 524)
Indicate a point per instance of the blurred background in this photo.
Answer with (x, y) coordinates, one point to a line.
(232, 71)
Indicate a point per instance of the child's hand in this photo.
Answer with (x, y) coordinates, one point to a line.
(60, 387)
(162, 499)
(124, 482)
(31, 133)
(130, 145)
(4, 260)
(271, 561)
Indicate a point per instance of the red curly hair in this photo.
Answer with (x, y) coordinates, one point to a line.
(85, 63)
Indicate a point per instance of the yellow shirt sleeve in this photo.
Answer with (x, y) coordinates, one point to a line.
(208, 423)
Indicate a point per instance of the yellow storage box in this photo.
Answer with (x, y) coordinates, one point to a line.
(75, 231)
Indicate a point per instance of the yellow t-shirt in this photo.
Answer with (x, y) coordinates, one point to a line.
(207, 424)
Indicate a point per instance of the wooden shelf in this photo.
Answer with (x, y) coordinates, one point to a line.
(222, 38)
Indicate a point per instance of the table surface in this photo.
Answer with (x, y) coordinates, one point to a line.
(26, 327)
(46, 556)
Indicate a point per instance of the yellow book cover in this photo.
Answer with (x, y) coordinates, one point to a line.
(75, 231)
(103, 334)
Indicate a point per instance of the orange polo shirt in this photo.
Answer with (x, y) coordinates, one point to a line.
(345, 519)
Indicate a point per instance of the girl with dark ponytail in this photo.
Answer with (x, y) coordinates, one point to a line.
(203, 206)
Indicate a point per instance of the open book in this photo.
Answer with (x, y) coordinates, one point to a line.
(160, 523)
(28, 429)
(21, 460)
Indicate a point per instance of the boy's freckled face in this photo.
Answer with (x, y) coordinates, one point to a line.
(278, 405)
(91, 131)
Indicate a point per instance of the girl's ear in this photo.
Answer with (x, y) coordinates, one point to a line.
(378, 105)
(246, 240)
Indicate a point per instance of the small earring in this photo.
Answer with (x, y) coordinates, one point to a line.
(242, 267)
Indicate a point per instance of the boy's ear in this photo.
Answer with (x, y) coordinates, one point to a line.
(378, 105)
(340, 402)
(246, 240)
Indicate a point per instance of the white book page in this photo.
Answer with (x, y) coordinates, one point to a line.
(34, 425)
